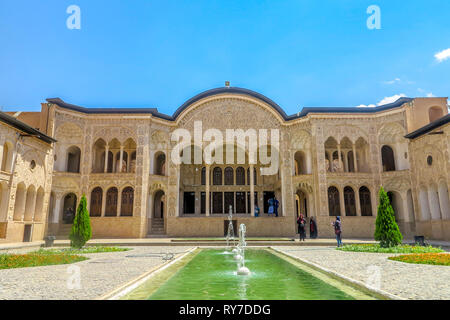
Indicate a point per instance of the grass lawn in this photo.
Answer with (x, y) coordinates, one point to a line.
(96, 249)
(34, 259)
(47, 257)
(375, 248)
(442, 259)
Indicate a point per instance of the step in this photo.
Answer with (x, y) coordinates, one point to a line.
(157, 225)
(64, 230)
(158, 232)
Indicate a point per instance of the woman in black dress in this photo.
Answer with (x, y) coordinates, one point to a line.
(312, 228)
(301, 227)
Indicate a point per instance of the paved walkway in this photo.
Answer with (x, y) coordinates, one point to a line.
(99, 275)
(14, 247)
(104, 272)
(407, 281)
(200, 241)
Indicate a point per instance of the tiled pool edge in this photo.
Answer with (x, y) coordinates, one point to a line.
(349, 281)
(128, 287)
(132, 285)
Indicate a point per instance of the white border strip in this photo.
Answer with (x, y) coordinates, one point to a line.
(133, 284)
(353, 281)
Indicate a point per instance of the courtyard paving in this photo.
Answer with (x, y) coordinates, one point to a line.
(105, 272)
(404, 280)
(100, 274)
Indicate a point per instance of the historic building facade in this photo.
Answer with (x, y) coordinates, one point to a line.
(25, 180)
(332, 161)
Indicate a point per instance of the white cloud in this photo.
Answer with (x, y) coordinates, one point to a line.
(393, 81)
(442, 55)
(394, 98)
(384, 101)
(427, 94)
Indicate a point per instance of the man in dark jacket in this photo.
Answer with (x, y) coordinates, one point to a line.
(338, 230)
(313, 228)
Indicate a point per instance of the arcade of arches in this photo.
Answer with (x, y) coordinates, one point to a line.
(329, 165)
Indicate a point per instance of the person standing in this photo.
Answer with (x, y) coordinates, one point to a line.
(338, 230)
(313, 228)
(256, 210)
(271, 207)
(301, 227)
(276, 204)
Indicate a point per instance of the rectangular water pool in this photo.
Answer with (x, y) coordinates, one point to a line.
(210, 274)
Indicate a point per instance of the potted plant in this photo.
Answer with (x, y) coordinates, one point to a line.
(49, 241)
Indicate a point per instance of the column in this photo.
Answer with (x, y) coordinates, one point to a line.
(358, 203)
(121, 159)
(339, 157)
(33, 206)
(374, 201)
(207, 201)
(247, 197)
(128, 160)
(103, 203)
(346, 162)
(152, 162)
(119, 203)
(308, 162)
(106, 158)
(114, 163)
(355, 164)
(1, 153)
(224, 210)
(342, 202)
(150, 206)
(330, 160)
(57, 209)
(198, 199)
(252, 190)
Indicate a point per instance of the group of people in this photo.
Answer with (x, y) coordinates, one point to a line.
(313, 232)
(273, 207)
(301, 221)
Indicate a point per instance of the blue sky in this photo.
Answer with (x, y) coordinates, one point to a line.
(146, 53)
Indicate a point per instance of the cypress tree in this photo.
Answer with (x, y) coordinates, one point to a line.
(386, 230)
(81, 230)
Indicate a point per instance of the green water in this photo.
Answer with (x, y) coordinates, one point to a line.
(211, 275)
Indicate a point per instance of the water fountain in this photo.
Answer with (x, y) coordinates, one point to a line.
(242, 269)
(230, 232)
(238, 250)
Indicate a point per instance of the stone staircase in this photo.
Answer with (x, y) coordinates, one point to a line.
(157, 229)
(63, 232)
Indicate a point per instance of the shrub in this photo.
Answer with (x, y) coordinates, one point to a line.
(81, 230)
(386, 230)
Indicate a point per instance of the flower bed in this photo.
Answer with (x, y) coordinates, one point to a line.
(85, 250)
(10, 261)
(441, 259)
(376, 248)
